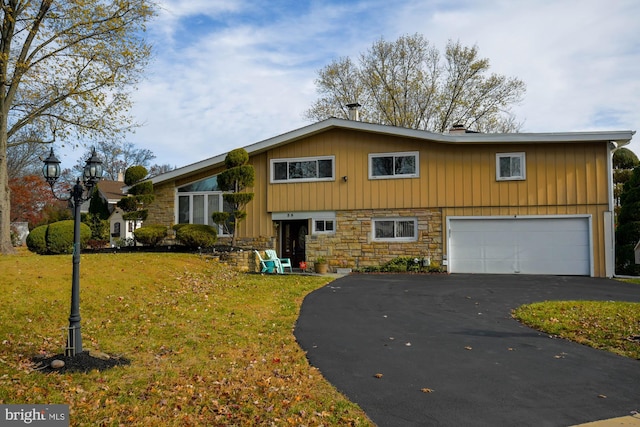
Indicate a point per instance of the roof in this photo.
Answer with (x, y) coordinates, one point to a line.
(619, 138)
(111, 190)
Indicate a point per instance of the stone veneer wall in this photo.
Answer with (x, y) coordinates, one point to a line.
(161, 210)
(352, 246)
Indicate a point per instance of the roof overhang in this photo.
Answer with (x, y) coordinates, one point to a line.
(619, 138)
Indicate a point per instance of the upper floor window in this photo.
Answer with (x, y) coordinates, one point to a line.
(510, 166)
(400, 229)
(303, 169)
(393, 165)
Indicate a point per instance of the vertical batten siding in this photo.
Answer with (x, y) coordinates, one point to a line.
(450, 175)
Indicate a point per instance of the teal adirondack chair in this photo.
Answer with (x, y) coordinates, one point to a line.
(281, 263)
(266, 265)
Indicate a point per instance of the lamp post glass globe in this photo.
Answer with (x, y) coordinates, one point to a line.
(51, 168)
(93, 168)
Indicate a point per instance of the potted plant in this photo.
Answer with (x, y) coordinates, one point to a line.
(321, 266)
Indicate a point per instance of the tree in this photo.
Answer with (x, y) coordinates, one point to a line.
(140, 194)
(237, 176)
(116, 158)
(407, 83)
(25, 159)
(628, 227)
(32, 200)
(66, 70)
(624, 160)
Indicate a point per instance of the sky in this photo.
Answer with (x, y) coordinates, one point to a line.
(229, 73)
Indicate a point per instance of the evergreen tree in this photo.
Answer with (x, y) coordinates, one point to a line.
(628, 228)
(235, 179)
(140, 194)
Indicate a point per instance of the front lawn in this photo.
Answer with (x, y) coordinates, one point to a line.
(208, 346)
(607, 325)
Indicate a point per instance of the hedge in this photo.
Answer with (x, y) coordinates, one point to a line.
(56, 238)
(151, 235)
(196, 235)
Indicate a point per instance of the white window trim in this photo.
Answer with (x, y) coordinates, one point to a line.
(523, 167)
(394, 239)
(301, 159)
(416, 154)
(207, 214)
(315, 231)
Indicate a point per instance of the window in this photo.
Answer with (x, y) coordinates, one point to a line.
(510, 166)
(303, 169)
(324, 226)
(399, 229)
(116, 230)
(393, 165)
(198, 200)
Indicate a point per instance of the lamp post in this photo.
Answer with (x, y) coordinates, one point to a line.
(79, 193)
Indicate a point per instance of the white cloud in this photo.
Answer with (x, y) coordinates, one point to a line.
(231, 73)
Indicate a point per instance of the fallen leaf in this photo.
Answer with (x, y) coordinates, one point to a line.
(378, 375)
(468, 347)
(426, 390)
(602, 396)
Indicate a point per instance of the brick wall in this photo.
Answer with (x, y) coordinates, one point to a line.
(352, 246)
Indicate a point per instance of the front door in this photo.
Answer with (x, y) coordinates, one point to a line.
(294, 234)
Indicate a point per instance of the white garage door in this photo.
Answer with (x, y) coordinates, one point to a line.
(527, 245)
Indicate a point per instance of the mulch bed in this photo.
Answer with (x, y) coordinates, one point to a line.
(81, 362)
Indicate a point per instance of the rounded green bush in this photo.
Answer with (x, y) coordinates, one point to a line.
(37, 240)
(145, 187)
(60, 237)
(236, 157)
(197, 235)
(134, 174)
(151, 235)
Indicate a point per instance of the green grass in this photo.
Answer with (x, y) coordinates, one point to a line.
(607, 325)
(208, 346)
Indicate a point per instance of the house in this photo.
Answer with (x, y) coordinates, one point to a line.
(360, 194)
(110, 192)
(121, 230)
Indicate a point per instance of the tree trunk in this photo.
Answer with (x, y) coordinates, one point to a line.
(5, 193)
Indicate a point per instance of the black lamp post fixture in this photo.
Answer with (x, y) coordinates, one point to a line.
(80, 193)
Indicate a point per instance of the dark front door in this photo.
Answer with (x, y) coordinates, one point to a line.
(294, 234)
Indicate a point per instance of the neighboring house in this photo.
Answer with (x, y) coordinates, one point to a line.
(121, 230)
(110, 191)
(360, 194)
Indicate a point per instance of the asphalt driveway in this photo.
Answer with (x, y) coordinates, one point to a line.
(443, 350)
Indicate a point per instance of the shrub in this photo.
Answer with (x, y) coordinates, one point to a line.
(176, 227)
(60, 237)
(37, 240)
(134, 174)
(196, 235)
(151, 235)
(145, 187)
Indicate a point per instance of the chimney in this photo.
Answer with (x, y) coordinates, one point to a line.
(354, 112)
(457, 129)
(120, 176)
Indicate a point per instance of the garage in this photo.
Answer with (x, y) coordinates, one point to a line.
(559, 245)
